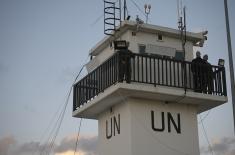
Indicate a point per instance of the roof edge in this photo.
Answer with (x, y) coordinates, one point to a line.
(149, 28)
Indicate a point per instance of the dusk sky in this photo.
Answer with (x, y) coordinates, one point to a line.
(43, 45)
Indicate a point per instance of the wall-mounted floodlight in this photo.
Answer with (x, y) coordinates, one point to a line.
(120, 44)
(221, 62)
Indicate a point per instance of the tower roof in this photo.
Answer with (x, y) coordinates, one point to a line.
(147, 28)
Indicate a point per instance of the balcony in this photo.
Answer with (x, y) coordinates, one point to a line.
(152, 71)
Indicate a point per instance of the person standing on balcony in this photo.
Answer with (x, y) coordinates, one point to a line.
(208, 76)
(125, 65)
(196, 67)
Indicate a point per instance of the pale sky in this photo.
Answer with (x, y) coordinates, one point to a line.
(43, 45)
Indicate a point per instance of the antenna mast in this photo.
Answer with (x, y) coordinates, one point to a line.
(182, 24)
(125, 8)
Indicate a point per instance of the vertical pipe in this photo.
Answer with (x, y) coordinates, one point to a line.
(120, 12)
(124, 10)
(230, 57)
(114, 16)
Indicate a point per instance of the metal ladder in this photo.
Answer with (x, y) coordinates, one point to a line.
(112, 16)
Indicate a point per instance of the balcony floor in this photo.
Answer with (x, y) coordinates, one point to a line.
(121, 91)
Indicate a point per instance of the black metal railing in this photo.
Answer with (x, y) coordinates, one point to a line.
(149, 69)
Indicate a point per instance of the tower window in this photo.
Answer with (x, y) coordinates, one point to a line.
(159, 37)
(142, 48)
(179, 55)
(133, 33)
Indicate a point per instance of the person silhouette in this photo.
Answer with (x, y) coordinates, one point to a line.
(196, 68)
(207, 76)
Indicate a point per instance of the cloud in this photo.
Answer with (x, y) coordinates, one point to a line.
(28, 147)
(5, 144)
(86, 146)
(71, 153)
(224, 146)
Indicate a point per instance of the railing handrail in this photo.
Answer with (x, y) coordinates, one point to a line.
(96, 68)
(149, 69)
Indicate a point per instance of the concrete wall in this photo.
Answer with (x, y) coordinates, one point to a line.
(104, 55)
(120, 143)
(99, 59)
(150, 40)
(147, 141)
(137, 136)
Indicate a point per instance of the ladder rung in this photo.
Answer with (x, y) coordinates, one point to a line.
(109, 2)
(109, 13)
(109, 7)
(109, 23)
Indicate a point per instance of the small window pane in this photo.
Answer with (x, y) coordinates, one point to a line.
(142, 48)
(179, 55)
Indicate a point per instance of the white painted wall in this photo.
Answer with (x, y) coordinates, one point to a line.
(151, 39)
(104, 55)
(146, 39)
(137, 136)
(99, 59)
(147, 141)
(118, 144)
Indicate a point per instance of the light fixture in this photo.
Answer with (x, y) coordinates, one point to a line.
(120, 44)
(147, 11)
(221, 62)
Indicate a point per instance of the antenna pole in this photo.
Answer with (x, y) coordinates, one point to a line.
(230, 57)
(120, 15)
(184, 28)
(178, 11)
(124, 10)
(185, 21)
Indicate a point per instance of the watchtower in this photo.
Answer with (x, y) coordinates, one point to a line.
(153, 108)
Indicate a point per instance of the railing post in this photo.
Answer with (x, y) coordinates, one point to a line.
(74, 99)
(118, 67)
(185, 78)
(224, 81)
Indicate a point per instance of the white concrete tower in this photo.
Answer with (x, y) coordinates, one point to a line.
(147, 105)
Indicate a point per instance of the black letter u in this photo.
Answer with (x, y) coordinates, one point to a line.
(111, 124)
(163, 122)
